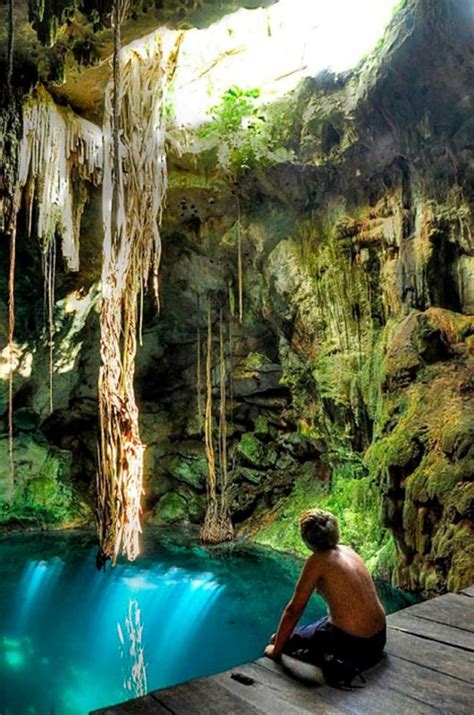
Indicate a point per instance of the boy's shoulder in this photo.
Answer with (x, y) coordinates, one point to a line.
(319, 558)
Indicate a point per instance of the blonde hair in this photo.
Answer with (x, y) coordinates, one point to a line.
(319, 529)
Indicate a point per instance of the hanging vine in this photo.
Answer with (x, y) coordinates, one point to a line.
(240, 270)
(217, 526)
(11, 274)
(49, 277)
(211, 514)
(224, 518)
(11, 344)
(198, 365)
(134, 187)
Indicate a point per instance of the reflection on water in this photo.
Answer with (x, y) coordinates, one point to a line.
(73, 639)
(132, 653)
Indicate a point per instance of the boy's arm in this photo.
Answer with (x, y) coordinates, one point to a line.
(304, 588)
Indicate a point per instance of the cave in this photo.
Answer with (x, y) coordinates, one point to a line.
(236, 284)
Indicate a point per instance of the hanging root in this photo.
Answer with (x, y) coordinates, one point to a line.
(210, 527)
(224, 516)
(240, 270)
(216, 530)
(11, 347)
(49, 276)
(134, 188)
(198, 366)
(11, 276)
(217, 526)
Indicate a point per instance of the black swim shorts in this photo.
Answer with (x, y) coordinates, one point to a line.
(311, 643)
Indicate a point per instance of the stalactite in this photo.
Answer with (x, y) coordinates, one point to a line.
(135, 181)
(59, 150)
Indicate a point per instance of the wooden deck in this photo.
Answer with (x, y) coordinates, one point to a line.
(428, 668)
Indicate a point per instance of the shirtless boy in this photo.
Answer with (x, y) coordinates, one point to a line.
(354, 629)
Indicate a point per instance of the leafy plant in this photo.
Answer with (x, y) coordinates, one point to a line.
(239, 129)
(226, 117)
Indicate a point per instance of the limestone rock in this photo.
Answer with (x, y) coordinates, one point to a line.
(170, 509)
(42, 493)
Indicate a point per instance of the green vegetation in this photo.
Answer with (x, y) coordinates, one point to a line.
(43, 494)
(355, 501)
(239, 130)
(171, 508)
(335, 377)
(226, 117)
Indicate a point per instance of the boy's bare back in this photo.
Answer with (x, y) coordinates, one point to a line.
(342, 579)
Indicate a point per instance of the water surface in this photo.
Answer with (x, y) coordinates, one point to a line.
(73, 639)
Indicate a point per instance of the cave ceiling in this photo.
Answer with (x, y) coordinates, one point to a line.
(69, 53)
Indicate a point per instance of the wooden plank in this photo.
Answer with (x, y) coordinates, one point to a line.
(372, 699)
(452, 610)
(205, 695)
(468, 591)
(441, 691)
(297, 693)
(146, 705)
(268, 699)
(443, 659)
(431, 630)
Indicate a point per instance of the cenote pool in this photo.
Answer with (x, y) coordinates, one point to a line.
(73, 639)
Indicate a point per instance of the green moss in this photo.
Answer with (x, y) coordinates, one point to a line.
(435, 477)
(42, 491)
(355, 502)
(252, 363)
(196, 505)
(461, 547)
(254, 476)
(263, 429)
(255, 453)
(192, 471)
(187, 180)
(171, 508)
(461, 497)
(372, 374)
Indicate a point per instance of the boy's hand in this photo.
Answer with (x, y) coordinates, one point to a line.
(270, 652)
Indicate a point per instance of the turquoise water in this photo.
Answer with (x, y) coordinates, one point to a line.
(73, 639)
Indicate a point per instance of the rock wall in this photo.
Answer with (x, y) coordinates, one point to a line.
(352, 366)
